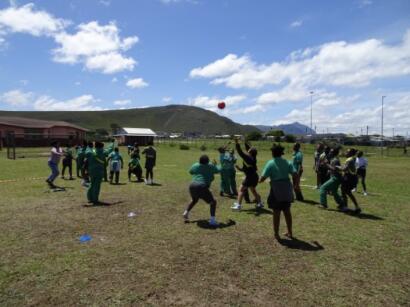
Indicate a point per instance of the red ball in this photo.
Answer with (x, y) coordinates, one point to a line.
(221, 105)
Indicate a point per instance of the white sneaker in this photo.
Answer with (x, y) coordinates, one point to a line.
(365, 193)
(354, 190)
(213, 223)
(186, 216)
(146, 181)
(259, 205)
(236, 207)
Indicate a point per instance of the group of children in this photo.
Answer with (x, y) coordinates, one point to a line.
(92, 161)
(331, 175)
(278, 170)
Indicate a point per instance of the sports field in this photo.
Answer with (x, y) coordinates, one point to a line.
(154, 258)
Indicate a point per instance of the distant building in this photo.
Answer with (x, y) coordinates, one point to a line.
(34, 132)
(129, 136)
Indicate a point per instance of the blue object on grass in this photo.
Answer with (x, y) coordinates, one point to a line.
(85, 238)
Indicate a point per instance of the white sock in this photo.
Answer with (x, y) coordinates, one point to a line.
(186, 212)
(212, 219)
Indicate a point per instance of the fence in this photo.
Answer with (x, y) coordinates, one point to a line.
(32, 145)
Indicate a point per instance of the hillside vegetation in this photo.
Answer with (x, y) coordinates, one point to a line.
(173, 118)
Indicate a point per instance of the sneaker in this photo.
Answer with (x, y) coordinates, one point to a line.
(357, 211)
(354, 190)
(186, 217)
(365, 193)
(259, 205)
(236, 207)
(146, 181)
(213, 223)
(324, 206)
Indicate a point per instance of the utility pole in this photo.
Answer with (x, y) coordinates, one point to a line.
(367, 130)
(311, 110)
(382, 137)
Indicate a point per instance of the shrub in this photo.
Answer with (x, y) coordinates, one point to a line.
(202, 147)
(290, 138)
(183, 147)
(254, 136)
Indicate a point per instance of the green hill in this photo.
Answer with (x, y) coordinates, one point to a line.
(172, 118)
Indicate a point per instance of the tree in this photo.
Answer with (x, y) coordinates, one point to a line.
(290, 138)
(254, 136)
(101, 131)
(275, 133)
(114, 128)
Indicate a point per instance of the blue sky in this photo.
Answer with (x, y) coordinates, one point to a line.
(263, 58)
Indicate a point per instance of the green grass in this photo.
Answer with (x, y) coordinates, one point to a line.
(156, 259)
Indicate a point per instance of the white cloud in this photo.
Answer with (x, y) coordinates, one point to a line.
(333, 64)
(364, 3)
(352, 116)
(29, 100)
(109, 63)
(105, 2)
(16, 98)
(99, 47)
(25, 19)
(249, 109)
(226, 66)
(296, 24)
(122, 102)
(137, 83)
(166, 99)
(81, 103)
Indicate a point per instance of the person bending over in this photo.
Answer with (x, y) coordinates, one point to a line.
(202, 177)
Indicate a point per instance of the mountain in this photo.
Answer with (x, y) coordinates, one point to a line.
(294, 128)
(172, 118)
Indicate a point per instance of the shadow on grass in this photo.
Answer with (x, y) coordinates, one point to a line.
(257, 211)
(205, 224)
(103, 204)
(295, 243)
(155, 184)
(120, 183)
(363, 216)
(309, 202)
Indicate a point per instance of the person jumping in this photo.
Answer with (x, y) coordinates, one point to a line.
(251, 175)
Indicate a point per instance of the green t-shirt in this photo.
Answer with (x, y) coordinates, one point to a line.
(203, 173)
(134, 162)
(278, 169)
(297, 160)
(115, 156)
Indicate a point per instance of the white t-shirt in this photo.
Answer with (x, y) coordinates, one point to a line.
(55, 155)
(361, 162)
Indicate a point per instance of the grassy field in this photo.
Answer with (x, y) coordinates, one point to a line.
(156, 259)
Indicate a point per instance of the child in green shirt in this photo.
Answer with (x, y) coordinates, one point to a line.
(202, 177)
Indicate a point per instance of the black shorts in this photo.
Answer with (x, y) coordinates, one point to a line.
(277, 205)
(361, 172)
(349, 182)
(201, 191)
(251, 181)
(67, 162)
(149, 165)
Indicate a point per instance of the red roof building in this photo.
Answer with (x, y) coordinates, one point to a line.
(34, 132)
